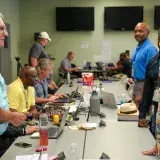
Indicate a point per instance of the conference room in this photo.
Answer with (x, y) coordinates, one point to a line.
(97, 32)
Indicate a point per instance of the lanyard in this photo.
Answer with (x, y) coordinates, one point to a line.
(26, 98)
(44, 92)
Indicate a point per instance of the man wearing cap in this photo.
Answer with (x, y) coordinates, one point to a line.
(37, 50)
(152, 84)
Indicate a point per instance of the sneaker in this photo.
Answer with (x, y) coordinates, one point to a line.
(143, 123)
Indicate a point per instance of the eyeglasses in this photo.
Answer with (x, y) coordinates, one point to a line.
(33, 76)
(3, 30)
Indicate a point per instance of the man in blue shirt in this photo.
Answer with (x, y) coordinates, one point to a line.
(5, 115)
(141, 56)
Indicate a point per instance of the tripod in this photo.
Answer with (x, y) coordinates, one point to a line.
(19, 66)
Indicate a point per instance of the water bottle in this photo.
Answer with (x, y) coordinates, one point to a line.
(43, 124)
(94, 103)
(68, 77)
(73, 152)
(123, 98)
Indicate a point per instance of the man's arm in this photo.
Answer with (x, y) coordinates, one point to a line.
(34, 111)
(52, 85)
(46, 100)
(35, 53)
(34, 62)
(67, 68)
(13, 117)
(15, 132)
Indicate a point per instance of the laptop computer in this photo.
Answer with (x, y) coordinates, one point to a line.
(67, 99)
(55, 131)
(74, 111)
(87, 65)
(99, 65)
(108, 99)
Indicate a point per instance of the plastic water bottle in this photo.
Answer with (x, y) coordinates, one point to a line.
(123, 98)
(68, 77)
(43, 124)
(73, 152)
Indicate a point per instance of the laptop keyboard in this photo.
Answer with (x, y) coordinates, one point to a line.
(52, 132)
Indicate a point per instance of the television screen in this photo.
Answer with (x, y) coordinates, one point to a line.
(74, 18)
(122, 18)
(156, 17)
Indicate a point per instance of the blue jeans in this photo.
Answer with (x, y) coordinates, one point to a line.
(153, 119)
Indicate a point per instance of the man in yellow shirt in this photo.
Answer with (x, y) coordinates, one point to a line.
(21, 93)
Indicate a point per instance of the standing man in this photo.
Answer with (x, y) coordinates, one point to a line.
(5, 115)
(142, 54)
(66, 64)
(37, 50)
(151, 85)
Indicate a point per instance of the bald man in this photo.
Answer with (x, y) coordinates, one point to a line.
(5, 115)
(21, 93)
(142, 54)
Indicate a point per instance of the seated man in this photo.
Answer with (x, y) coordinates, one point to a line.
(65, 66)
(52, 86)
(123, 66)
(21, 93)
(44, 69)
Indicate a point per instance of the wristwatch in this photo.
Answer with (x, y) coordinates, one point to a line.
(24, 131)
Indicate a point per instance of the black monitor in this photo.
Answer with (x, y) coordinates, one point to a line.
(122, 18)
(156, 17)
(75, 18)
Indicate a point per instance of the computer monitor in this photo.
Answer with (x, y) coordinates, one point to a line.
(87, 65)
(99, 65)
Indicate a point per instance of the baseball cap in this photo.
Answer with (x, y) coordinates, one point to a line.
(51, 57)
(44, 35)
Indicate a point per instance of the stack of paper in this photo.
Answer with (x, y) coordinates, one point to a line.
(32, 157)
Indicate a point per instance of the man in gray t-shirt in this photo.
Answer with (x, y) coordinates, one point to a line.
(37, 50)
(66, 64)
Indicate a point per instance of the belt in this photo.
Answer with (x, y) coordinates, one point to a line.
(138, 80)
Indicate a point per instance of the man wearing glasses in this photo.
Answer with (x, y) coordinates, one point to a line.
(21, 93)
(5, 115)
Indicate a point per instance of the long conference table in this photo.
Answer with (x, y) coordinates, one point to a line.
(119, 140)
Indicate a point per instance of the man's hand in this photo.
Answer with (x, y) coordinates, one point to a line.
(53, 98)
(31, 129)
(153, 151)
(51, 87)
(16, 118)
(75, 69)
(61, 95)
(130, 80)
